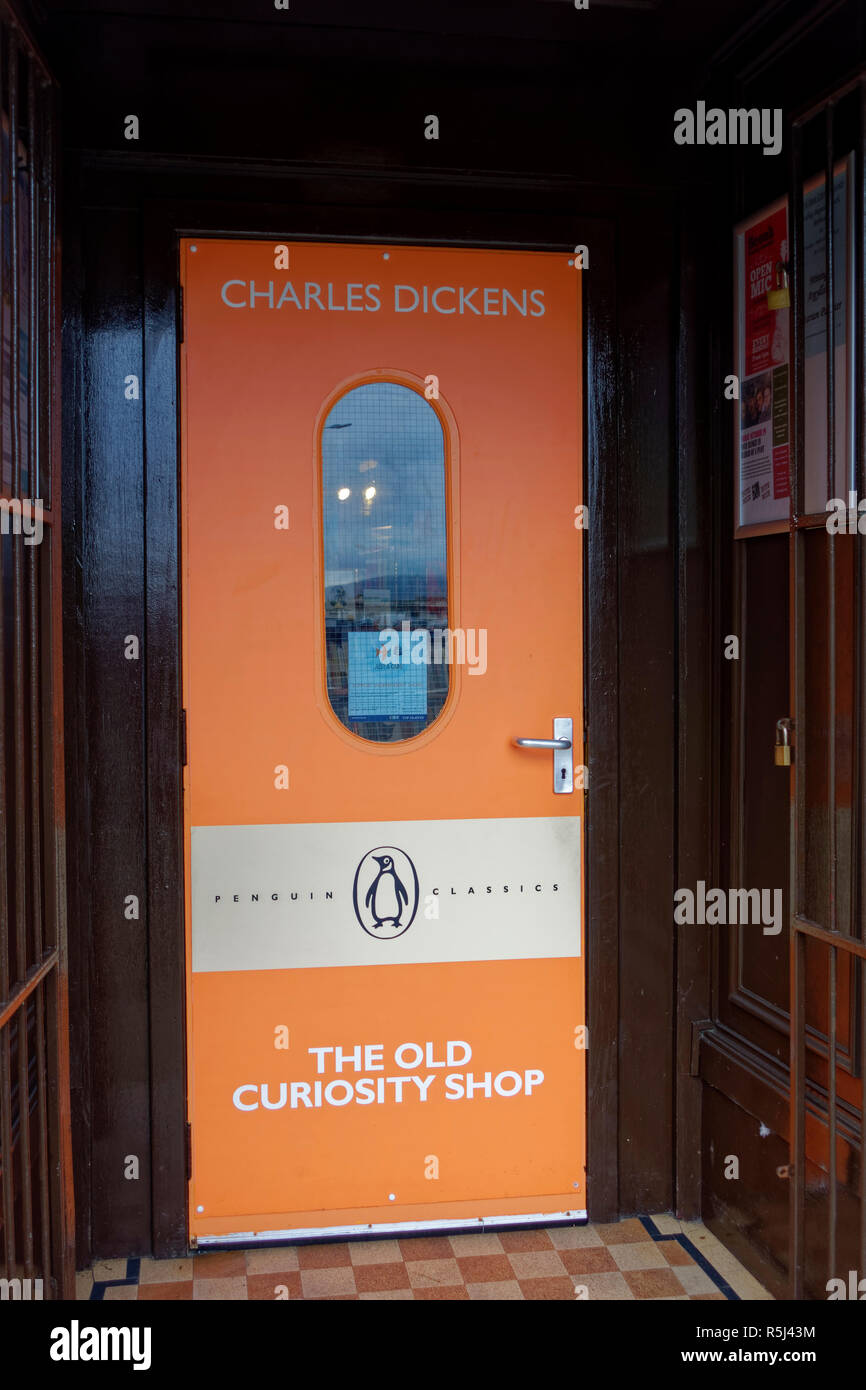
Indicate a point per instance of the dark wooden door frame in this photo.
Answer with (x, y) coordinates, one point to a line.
(745, 1081)
(601, 703)
(697, 429)
(37, 1209)
(163, 223)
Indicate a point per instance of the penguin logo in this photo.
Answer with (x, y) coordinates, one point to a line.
(385, 893)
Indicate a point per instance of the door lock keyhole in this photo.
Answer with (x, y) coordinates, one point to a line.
(561, 743)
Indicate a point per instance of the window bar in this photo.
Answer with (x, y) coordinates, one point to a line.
(15, 327)
(49, 180)
(60, 1139)
(51, 999)
(34, 266)
(44, 1121)
(832, 866)
(5, 988)
(832, 1113)
(6, 1159)
(39, 565)
(34, 552)
(4, 171)
(797, 1141)
(798, 1117)
(859, 348)
(18, 671)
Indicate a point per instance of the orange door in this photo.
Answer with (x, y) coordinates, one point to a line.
(382, 590)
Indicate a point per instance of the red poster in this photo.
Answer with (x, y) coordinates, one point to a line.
(763, 484)
(766, 247)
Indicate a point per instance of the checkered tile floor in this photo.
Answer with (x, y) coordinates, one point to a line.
(646, 1258)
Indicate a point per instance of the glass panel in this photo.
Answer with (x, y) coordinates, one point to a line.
(815, 365)
(765, 787)
(812, 738)
(385, 557)
(22, 237)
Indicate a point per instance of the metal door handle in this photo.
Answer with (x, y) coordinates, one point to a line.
(542, 742)
(563, 759)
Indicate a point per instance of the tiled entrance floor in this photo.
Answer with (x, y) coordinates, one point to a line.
(647, 1258)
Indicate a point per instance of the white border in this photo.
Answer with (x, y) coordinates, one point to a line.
(781, 522)
(478, 1223)
(843, 165)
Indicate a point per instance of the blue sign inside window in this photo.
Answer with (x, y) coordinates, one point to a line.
(381, 689)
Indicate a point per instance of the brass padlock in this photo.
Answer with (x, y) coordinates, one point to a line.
(780, 297)
(783, 743)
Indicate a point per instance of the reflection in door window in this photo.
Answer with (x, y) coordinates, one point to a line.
(385, 558)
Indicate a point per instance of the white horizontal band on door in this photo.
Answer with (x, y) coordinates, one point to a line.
(396, 1228)
(286, 897)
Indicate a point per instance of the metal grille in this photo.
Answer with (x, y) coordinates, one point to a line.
(35, 1182)
(828, 839)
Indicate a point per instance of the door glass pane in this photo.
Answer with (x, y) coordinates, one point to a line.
(813, 737)
(385, 549)
(763, 673)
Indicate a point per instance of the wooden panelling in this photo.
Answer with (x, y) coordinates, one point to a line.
(696, 419)
(745, 1060)
(647, 729)
(150, 1032)
(163, 749)
(753, 985)
(748, 1212)
(112, 559)
(601, 658)
(533, 152)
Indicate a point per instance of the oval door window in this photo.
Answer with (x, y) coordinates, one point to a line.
(385, 546)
